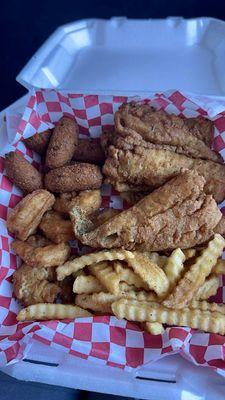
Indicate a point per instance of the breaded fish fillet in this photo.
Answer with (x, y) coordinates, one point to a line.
(141, 166)
(191, 136)
(179, 214)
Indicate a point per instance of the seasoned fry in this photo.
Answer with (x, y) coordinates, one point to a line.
(39, 141)
(150, 273)
(24, 219)
(175, 266)
(206, 306)
(64, 202)
(89, 150)
(79, 176)
(161, 261)
(106, 275)
(98, 302)
(128, 276)
(219, 268)
(62, 143)
(196, 275)
(48, 256)
(87, 284)
(45, 311)
(88, 259)
(56, 228)
(208, 289)
(101, 302)
(153, 312)
(22, 173)
(154, 328)
(31, 285)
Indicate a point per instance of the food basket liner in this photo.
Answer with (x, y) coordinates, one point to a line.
(102, 339)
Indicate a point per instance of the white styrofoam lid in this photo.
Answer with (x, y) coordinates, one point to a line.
(132, 56)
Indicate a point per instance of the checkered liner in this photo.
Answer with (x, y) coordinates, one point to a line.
(102, 339)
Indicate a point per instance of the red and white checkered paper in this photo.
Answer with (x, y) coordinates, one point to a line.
(102, 339)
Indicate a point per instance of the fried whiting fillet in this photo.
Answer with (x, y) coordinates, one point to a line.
(31, 285)
(161, 128)
(139, 166)
(24, 219)
(22, 173)
(89, 150)
(179, 214)
(62, 143)
(39, 141)
(80, 176)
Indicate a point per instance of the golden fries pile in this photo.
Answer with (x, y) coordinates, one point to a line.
(147, 287)
(140, 287)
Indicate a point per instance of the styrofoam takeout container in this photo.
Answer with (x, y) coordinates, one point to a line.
(126, 57)
(132, 56)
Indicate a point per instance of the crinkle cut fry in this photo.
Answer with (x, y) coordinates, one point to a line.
(101, 302)
(88, 259)
(105, 273)
(45, 311)
(150, 273)
(142, 265)
(175, 266)
(196, 275)
(133, 310)
(208, 289)
(129, 276)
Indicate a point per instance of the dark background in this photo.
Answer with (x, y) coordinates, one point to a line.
(25, 24)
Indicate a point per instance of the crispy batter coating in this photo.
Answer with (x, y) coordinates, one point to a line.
(38, 241)
(80, 176)
(132, 197)
(140, 168)
(24, 219)
(107, 139)
(39, 142)
(85, 205)
(56, 228)
(178, 214)
(100, 217)
(31, 285)
(161, 128)
(22, 173)
(62, 143)
(89, 150)
(47, 256)
(64, 202)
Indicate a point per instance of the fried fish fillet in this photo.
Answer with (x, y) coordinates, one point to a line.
(191, 137)
(179, 214)
(135, 165)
